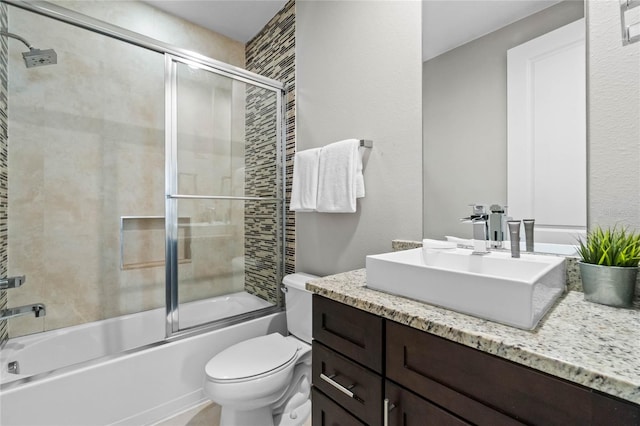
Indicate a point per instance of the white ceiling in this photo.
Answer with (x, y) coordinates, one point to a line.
(237, 19)
(446, 24)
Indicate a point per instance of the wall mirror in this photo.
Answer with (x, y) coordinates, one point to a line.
(469, 119)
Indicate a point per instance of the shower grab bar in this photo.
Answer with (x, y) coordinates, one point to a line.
(219, 197)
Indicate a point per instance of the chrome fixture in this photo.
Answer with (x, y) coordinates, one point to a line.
(479, 236)
(478, 220)
(34, 57)
(630, 32)
(487, 226)
(12, 282)
(13, 367)
(38, 309)
(496, 225)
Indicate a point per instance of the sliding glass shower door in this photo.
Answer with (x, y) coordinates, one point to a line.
(143, 178)
(224, 200)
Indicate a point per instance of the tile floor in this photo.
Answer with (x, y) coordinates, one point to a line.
(205, 414)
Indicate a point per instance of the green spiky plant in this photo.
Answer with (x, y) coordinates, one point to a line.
(610, 247)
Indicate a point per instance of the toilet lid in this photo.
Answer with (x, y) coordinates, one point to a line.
(252, 357)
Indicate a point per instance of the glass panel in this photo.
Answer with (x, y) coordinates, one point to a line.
(227, 146)
(219, 271)
(221, 122)
(86, 176)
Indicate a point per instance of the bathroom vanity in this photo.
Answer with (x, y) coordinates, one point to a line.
(380, 359)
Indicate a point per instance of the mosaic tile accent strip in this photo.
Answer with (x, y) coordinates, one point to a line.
(593, 345)
(270, 53)
(4, 169)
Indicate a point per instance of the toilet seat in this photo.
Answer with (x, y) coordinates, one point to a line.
(251, 359)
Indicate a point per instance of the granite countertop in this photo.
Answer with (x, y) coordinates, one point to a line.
(593, 345)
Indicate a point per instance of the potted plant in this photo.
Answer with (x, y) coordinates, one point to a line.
(609, 265)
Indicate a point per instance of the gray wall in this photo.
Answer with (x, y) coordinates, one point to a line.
(359, 76)
(465, 121)
(613, 120)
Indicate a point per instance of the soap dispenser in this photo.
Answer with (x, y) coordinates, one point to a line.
(496, 225)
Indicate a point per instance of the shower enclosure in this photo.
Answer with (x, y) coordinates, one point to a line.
(140, 176)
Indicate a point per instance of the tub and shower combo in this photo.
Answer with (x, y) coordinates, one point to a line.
(145, 211)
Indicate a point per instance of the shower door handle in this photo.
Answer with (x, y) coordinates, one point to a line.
(12, 282)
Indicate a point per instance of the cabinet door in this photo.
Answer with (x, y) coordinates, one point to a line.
(488, 390)
(408, 409)
(325, 412)
(354, 387)
(352, 332)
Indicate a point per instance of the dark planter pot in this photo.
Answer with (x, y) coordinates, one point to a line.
(608, 285)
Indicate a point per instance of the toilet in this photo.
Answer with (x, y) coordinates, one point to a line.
(266, 380)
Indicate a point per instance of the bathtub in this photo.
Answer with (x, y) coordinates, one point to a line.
(92, 374)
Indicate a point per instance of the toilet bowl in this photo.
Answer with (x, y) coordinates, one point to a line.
(266, 380)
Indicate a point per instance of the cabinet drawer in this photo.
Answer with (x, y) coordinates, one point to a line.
(457, 377)
(407, 409)
(349, 331)
(325, 412)
(332, 371)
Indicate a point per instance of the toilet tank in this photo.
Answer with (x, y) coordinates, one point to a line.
(298, 306)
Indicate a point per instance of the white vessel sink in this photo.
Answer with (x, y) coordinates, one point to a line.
(496, 287)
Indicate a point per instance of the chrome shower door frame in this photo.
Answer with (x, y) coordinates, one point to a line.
(172, 194)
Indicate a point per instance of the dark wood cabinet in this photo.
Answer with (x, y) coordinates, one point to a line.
(347, 363)
(352, 332)
(407, 409)
(428, 380)
(325, 412)
(486, 389)
(351, 385)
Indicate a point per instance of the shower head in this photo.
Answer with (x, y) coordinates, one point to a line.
(37, 57)
(34, 57)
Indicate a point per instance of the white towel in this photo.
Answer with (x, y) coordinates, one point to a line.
(340, 179)
(304, 188)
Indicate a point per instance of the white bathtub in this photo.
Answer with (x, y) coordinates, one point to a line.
(135, 388)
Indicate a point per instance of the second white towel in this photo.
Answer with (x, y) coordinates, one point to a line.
(340, 179)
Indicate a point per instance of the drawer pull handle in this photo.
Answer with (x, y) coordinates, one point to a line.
(344, 390)
(387, 407)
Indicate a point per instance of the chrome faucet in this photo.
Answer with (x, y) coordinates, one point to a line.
(478, 219)
(487, 226)
(38, 309)
(479, 236)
